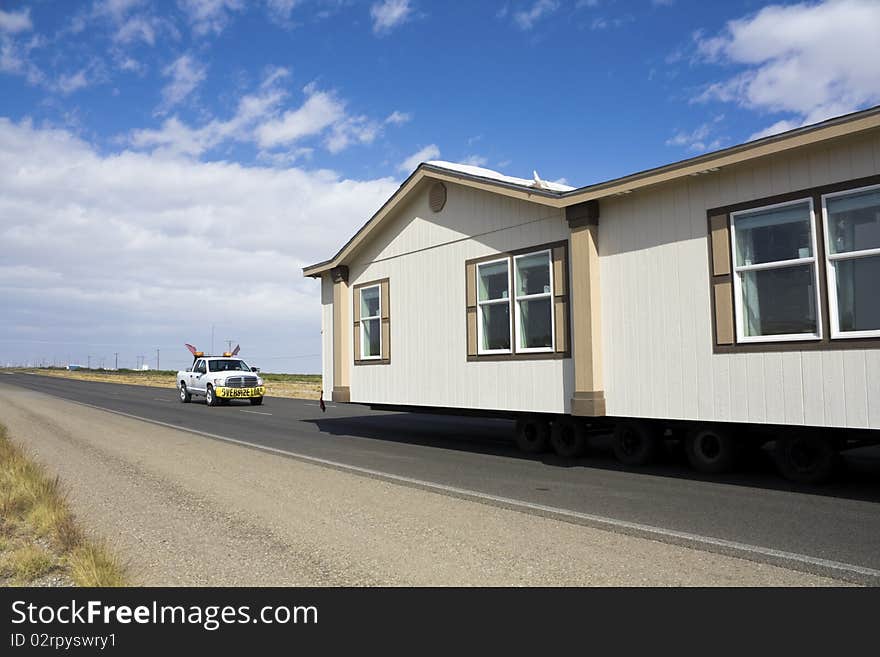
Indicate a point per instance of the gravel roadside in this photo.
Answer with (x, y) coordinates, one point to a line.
(187, 510)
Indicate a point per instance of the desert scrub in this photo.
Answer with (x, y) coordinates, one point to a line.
(39, 536)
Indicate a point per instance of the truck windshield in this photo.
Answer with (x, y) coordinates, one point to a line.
(228, 366)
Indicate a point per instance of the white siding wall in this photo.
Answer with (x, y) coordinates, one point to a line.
(327, 335)
(656, 308)
(423, 254)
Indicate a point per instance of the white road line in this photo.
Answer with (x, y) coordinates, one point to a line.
(659, 533)
(254, 412)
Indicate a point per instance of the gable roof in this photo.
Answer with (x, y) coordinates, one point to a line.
(561, 196)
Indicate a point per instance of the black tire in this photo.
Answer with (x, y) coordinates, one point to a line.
(210, 398)
(711, 450)
(256, 401)
(185, 397)
(636, 443)
(806, 457)
(568, 437)
(532, 435)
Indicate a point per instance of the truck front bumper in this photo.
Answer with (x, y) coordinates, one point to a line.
(240, 393)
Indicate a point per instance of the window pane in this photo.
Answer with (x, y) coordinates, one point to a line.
(854, 222)
(493, 281)
(533, 274)
(779, 301)
(535, 325)
(370, 301)
(772, 235)
(858, 293)
(372, 338)
(496, 326)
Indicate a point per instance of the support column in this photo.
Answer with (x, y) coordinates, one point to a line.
(341, 327)
(589, 394)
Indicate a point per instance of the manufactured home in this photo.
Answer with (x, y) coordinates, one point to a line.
(730, 297)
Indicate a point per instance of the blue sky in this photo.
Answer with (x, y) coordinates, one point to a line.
(134, 133)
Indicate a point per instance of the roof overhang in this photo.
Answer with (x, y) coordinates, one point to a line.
(841, 126)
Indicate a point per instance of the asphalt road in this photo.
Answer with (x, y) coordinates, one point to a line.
(753, 514)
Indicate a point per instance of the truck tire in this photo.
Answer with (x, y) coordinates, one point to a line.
(185, 397)
(256, 401)
(210, 397)
(568, 437)
(806, 457)
(636, 443)
(711, 450)
(532, 434)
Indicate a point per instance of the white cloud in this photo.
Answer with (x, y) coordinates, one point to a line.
(429, 152)
(175, 138)
(280, 10)
(353, 129)
(210, 16)
(320, 110)
(397, 118)
(67, 84)
(811, 61)
(260, 118)
(137, 28)
(602, 23)
(186, 74)
(698, 140)
(526, 19)
(389, 14)
(111, 249)
(475, 160)
(15, 58)
(12, 22)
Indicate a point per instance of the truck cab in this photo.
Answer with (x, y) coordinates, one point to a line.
(219, 379)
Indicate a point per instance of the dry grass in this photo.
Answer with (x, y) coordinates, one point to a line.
(25, 563)
(296, 386)
(38, 533)
(95, 564)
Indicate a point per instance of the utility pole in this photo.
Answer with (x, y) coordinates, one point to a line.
(90, 361)
(115, 360)
(212, 339)
(228, 346)
(157, 360)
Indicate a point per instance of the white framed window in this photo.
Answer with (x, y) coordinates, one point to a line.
(776, 278)
(851, 221)
(371, 322)
(493, 307)
(533, 288)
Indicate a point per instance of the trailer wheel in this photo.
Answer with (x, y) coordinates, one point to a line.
(568, 437)
(636, 443)
(532, 434)
(806, 457)
(711, 450)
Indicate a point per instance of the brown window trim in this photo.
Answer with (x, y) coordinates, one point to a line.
(382, 322)
(825, 343)
(555, 355)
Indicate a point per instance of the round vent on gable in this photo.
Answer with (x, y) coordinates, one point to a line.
(437, 196)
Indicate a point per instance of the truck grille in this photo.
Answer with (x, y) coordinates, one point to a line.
(241, 382)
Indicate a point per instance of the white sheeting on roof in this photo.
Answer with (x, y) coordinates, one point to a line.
(536, 183)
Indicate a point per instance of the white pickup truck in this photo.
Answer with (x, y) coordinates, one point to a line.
(219, 379)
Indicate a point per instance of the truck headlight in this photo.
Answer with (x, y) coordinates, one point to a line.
(219, 382)
(259, 381)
